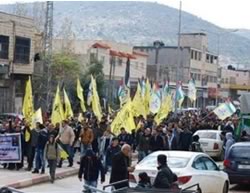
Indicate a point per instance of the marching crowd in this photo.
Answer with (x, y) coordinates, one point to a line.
(101, 151)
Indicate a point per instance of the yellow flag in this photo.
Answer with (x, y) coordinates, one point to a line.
(96, 107)
(68, 109)
(57, 110)
(28, 108)
(124, 118)
(138, 106)
(147, 96)
(63, 153)
(37, 117)
(164, 110)
(79, 90)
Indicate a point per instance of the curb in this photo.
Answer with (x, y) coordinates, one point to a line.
(41, 179)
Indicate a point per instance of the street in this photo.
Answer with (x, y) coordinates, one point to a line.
(73, 185)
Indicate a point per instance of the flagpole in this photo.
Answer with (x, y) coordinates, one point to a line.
(178, 55)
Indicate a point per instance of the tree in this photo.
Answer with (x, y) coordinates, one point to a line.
(65, 69)
(95, 68)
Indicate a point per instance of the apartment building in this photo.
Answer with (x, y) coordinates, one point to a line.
(17, 36)
(112, 54)
(192, 60)
(233, 82)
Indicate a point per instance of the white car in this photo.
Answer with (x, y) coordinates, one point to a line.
(190, 167)
(211, 143)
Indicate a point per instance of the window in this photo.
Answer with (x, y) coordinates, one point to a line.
(120, 61)
(22, 50)
(92, 57)
(192, 54)
(196, 55)
(198, 77)
(240, 152)
(136, 65)
(207, 57)
(4, 47)
(204, 163)
(207, 135)
(199, 164)
(103, 59)
(199, 56)
(211, 59)
(142, 65)
(210, 165)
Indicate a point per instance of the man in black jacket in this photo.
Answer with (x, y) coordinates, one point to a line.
(165, 176)
(121, 167)
(90, 166)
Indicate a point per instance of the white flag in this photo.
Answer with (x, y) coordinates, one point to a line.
(225, 110)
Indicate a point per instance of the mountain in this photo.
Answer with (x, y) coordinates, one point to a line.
(244, 33)
(141, 23)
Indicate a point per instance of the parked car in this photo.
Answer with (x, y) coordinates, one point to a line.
(190, 167)
(211, 143)
(237, 163)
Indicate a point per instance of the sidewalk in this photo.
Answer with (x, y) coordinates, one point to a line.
(22, 178)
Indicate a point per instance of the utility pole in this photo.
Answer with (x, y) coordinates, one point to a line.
(48, 37)
(178, 65)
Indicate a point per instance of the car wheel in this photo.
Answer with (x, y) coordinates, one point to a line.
(225, 188)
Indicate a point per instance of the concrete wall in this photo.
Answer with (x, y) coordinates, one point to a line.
(11, 25)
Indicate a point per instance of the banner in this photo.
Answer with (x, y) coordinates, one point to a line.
(10, 148)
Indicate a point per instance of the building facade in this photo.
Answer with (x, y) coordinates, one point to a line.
(233, 83)
(113, 56)
(192, 60)
(17, 36)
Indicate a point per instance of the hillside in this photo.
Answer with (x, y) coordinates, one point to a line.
(141, 23)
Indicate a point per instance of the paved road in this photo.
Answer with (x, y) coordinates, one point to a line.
(72, 185)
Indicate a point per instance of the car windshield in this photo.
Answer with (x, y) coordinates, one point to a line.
(173, 162)
(240, 152)
(207, 135)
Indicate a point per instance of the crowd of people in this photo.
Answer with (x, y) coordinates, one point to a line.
(101, 151)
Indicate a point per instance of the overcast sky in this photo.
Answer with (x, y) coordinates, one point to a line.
(225, 13)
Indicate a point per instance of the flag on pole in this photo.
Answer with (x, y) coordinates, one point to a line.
(28, 108)
(225, 110)
(79, 90)
(143, 87)
(68, 109)
(96, 107)
(165, 109)
(90, 94)
(137, 106)
(124, 118)
(127, 81)
(165, 90)
(147, 96)
(179, 95)
(122, 93)
(192, 90)
(57, 110)
(37, 118)
(155, 99)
